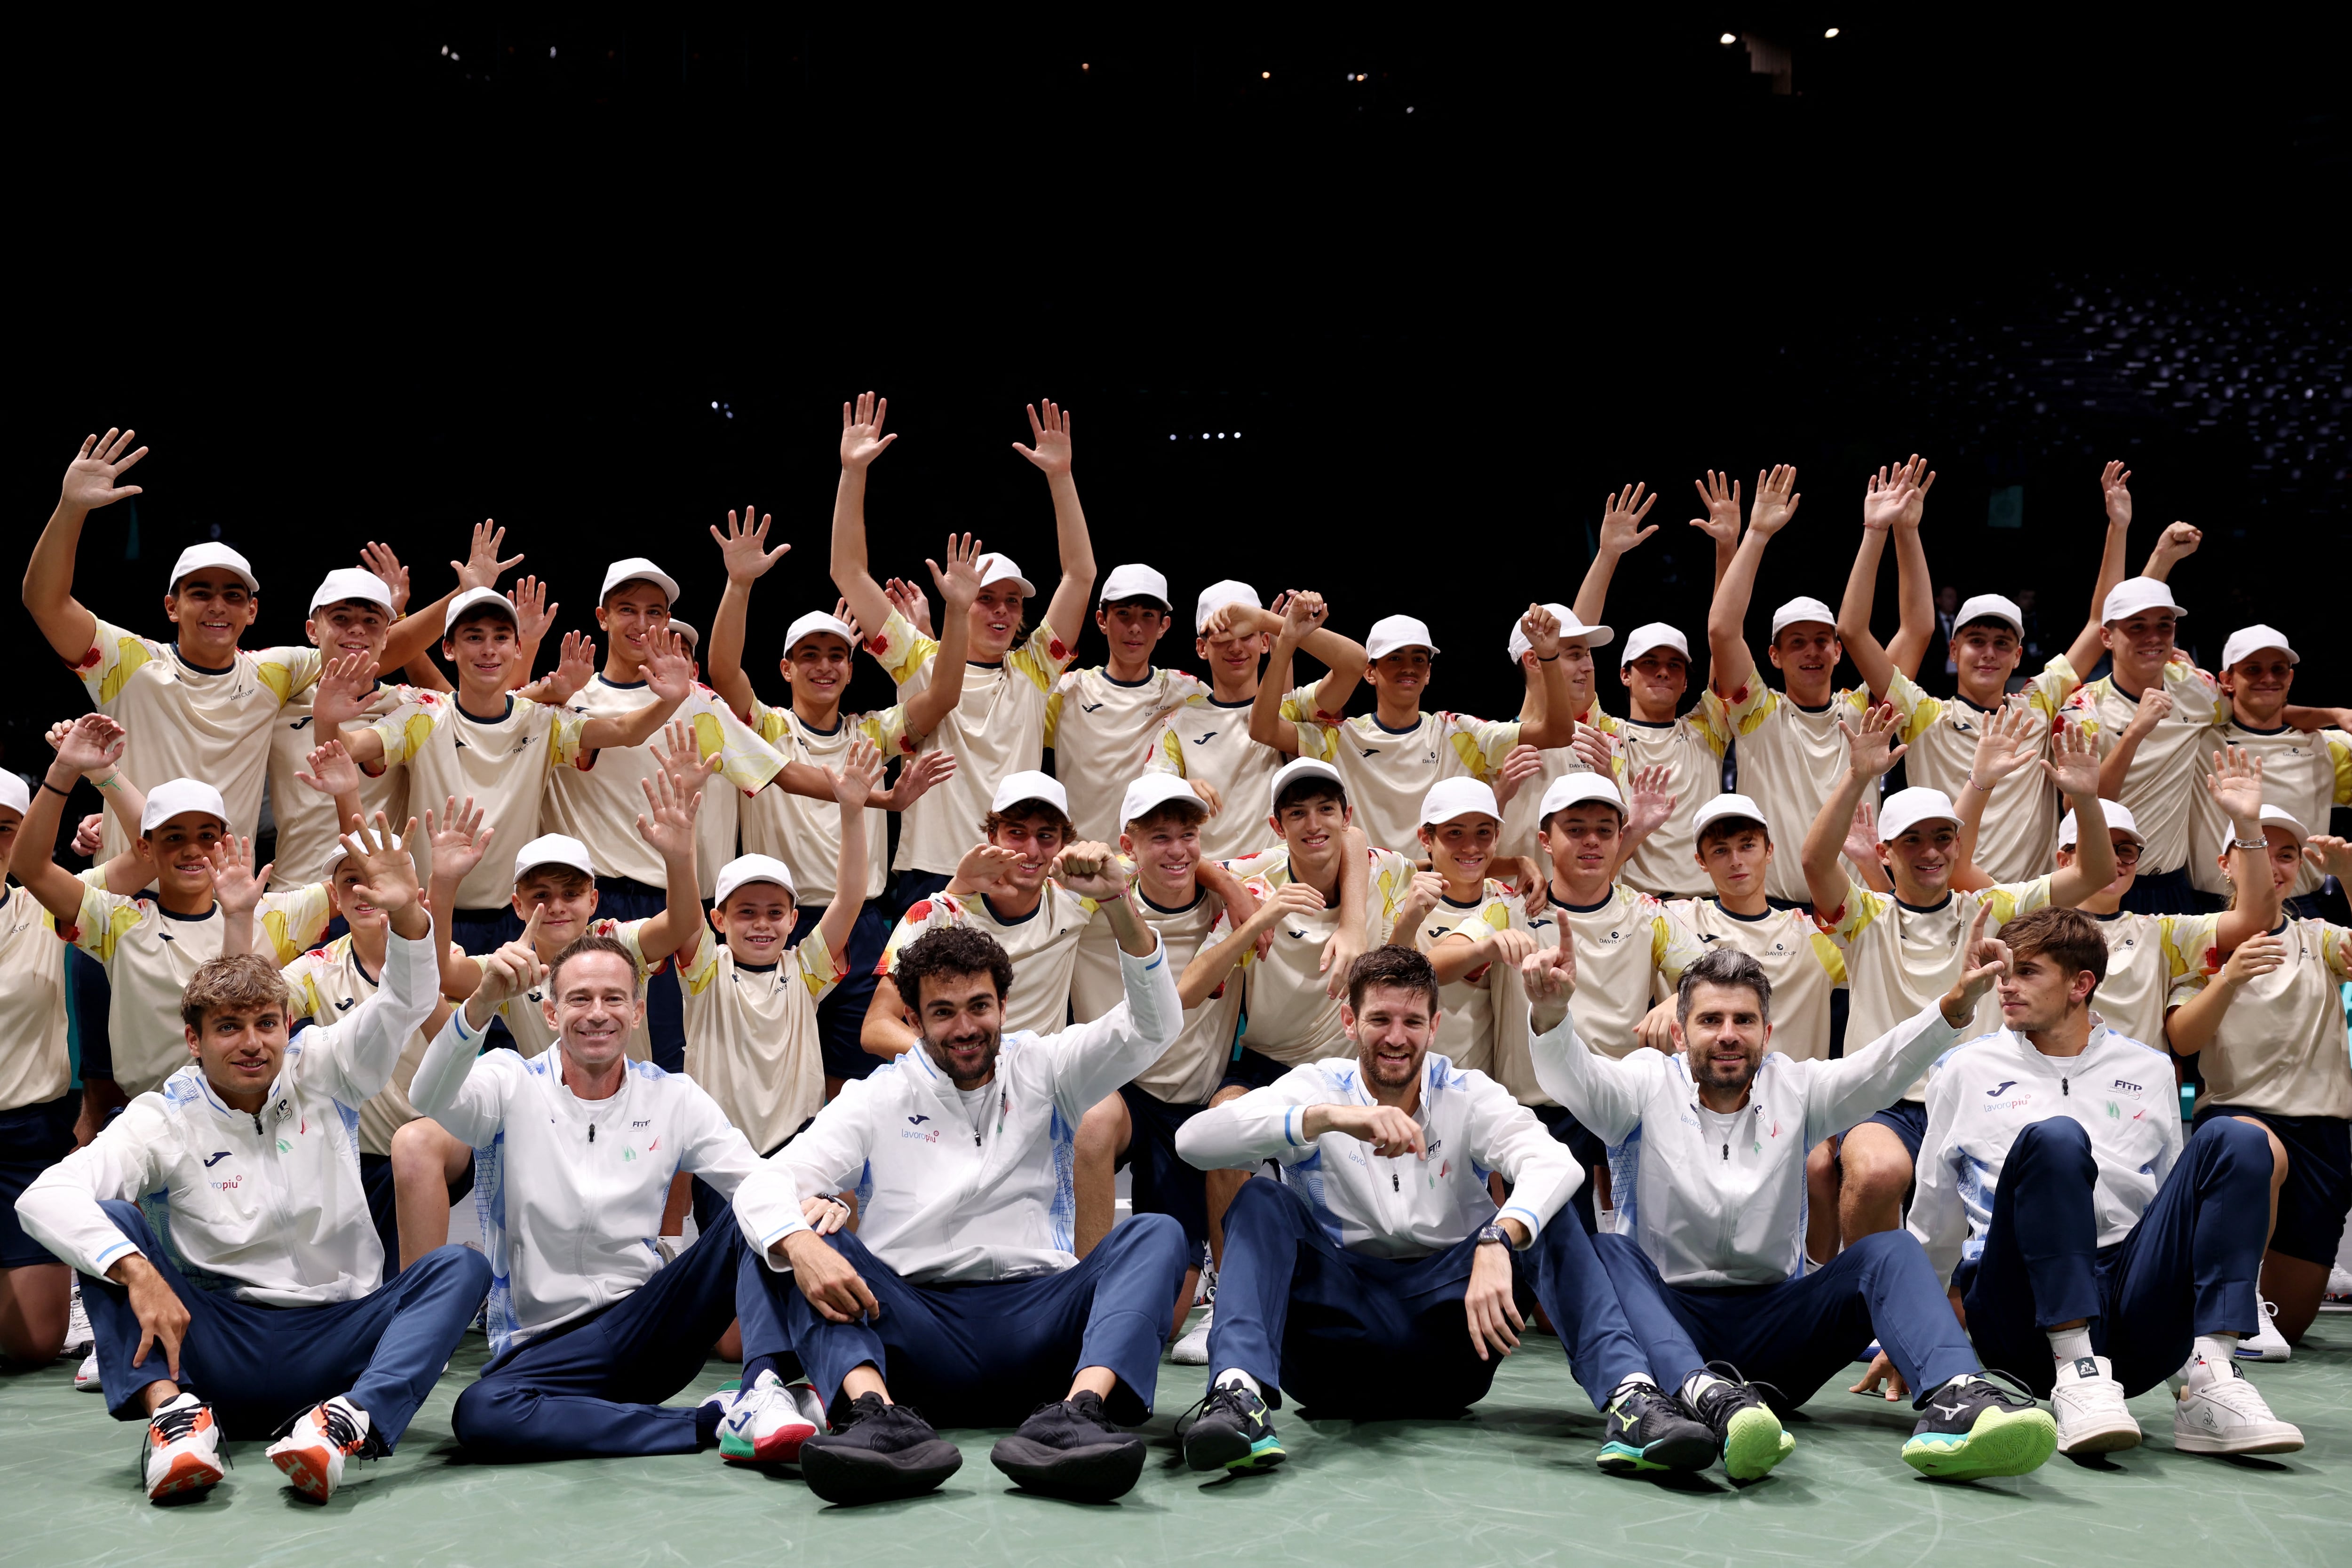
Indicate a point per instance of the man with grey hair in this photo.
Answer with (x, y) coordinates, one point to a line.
(1708, 1258)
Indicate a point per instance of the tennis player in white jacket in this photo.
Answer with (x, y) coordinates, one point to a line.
(960, 1287)
(1381, 1246)
(1708, 1260)
(232, 1191)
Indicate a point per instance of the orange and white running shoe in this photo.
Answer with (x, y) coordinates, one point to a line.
(312, 1452)
(182, 1453)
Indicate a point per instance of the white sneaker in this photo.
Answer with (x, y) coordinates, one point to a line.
(2219, 1411)
(1192, 1350)
(2089, 1404)
(183, 1449)
(78, 1338)
(2339, 1283)
(86, 1375)
(312, 1454)
(2267, 1343)
(769, 1422)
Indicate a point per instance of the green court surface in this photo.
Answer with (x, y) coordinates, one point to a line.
(1512, 1483)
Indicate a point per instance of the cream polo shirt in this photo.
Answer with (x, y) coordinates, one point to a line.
(1386, 771)
(1286, 1014)
(1210, 741)
(806, 833)
(1100, 731)
(1467, 1015)
(2169, 769)
(306, 828)
(329, 981)
(2281, 1046)
(1803, 966)
(1665, 864)
(2021, 821)
(1043, 945)
(2308, 774)
(2146, 956)
(502, 765)
(1790, 760)
(752, 1036)
(34, 1067)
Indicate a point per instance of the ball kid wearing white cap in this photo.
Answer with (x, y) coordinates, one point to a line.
(1102, 717)
(2301, 769)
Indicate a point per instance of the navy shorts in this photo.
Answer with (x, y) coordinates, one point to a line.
(32, 1139)
(841, 1016)
(1908, 1120)
(1250, 1070)
(2319, 1189)
(1164, 1183)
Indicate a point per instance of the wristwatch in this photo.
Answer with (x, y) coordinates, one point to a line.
(1493, 1231)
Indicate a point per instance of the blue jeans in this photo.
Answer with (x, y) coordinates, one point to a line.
(260, 1366)
(986, 1355)
(1345, 1331)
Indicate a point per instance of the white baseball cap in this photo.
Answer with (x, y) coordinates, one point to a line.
(1907, 808)
(1574, 789)
(1450, 798)
(179, 797)
(351, 583)
(814, 622)
(2248, 641)
(1152, 791)
(2284, 818)
(1728, 805)
(2133, 595)
(1390, 632)
(1217, 596)
(996, 568)
(748, 868)
(14, 795)
(1803, 607)
(1133, 580)
(498, 602)
(1570, 630)
(1030, 784)
(1656, 634)
(1299, 768)
(1990, 607)
(196, 557)
(693, 639)
(553, 850)
(630, 568)
(2118, 815)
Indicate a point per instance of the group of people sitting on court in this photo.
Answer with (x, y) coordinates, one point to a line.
(1726, 1128)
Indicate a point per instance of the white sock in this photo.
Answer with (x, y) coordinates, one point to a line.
(2217, 1350)
(1632, 1380)
(1234, 1376)
(1698, 1382)
(2070, 1344)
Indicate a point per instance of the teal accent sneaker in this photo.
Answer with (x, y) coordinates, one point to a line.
(1650, 1430)
(1233, 1433)
(1971, 1429)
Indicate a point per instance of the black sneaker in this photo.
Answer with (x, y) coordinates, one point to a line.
(1743, 1425)
(1971, 1427)
(1070, 1449)
(1232, 1432)
(1650, 1430)
(878, 1451)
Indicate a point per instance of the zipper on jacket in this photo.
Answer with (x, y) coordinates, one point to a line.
(2063, 1090)
(592, 1132)
(1394, 1184)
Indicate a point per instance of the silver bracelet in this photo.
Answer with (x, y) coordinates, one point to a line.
(2249, 844)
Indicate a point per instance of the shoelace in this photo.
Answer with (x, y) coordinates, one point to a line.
(1095, 1416)
(1734, 1389)
(173, 1424)
(341, 1430)
(1224, 1396)
(2023, 1397)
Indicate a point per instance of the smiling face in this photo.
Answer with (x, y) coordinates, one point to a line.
(1461, 851)
(2038, 991)
(239, 1048)
(961, 1020)
(1723, 1037)
(1921, 860)
(1806, 653)
(2257, 686)
(592, 1003)
(212, 609)
(348, 625)
(995, 621)
(1582, 840)
(757, 923)
(2281, 852)
(343, 899)
(1657, 681)
(1035, 833)
(2141, 644)
(483, 650)
(819, 666)
(181, 848)
(1575, 667)
(1734, 856)
(633, 615)
(565, 899)
(1165, 848)
(1313, 823)
(1232, 660)
(1134, 627)
(1987, 653)
(1391, 1030)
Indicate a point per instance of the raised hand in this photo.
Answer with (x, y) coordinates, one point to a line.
(458, 836)
(1052, 434)
(482, 568)
(575, 667)
(89, 744)
(677, 755)
(1621, 519)
(669, 668)
(2115, 484)
(1541, 628)
(90, 481)
(345, 687)
(2074, 762)
(908, 601)
(918, 775)
(1549, 973)
(744, 549)
(1862, 835)
(1923, 479)
(509, 971)
(387, 870)
(1884, 498)
(985, 866)
(332, 772)
(862, 440)
(1521, 763)
(2330, 855)
(2176, 543)
(1092, 871)
(668, 830)
(1869, 750)
(959, 581)
(89, 835)
(1776, 500)
(2236, 785)
(1649, 799)
(1719, 494)
(533, 613)
(1304, 610)
(235, 883)
(2006, 741)
(380, 560)
(1985, 962)
(859, 775)
(849, 617)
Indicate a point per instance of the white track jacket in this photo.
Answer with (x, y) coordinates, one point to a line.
(268, 1208)
(569, 1191)
(939, 1201)
(1718, 1200)
(1982, 1095)
(1406, 1206)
